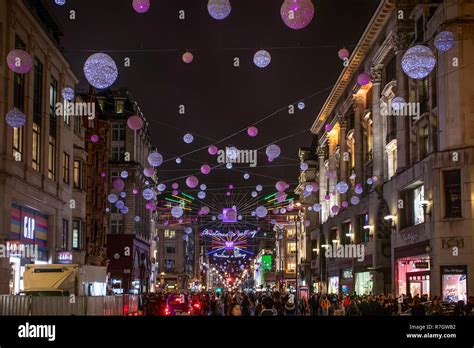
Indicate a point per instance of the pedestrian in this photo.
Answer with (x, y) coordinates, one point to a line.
(352, 310)
(470, 306)
(314, 305)
(324, 304)
(234, 310)
(417, 309)
(435, 307)
(267, 307)
(290, 308)
(460, 308)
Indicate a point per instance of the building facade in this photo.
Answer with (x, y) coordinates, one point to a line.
(410, 174)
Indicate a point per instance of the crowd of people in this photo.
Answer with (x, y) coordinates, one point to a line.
(239, 303)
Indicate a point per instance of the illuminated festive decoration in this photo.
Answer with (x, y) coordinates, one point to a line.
(398, 103)
(342, 187)
(219, 9)
(370, 181)
(254, 194)
(246, 176)
(418, 62)
(95, 138)
(280, 196)
(135, 191)
(161, 187)
(19, 61)
(297, 14)
(192, 181)
(135, 122)
(150, 206)
(60, 2)
(178, 160)
(205, 210)
(304, 166)
(252, 131)
(262, 59)
(201, 194)
(355, 200)
(118, 184)
(124, 210)
(309, 188)
(307, 223)
(205, 169)
(68, 93)
(344, 204)
(141, 6)
(261, 211)
(229, 215)
(331, 174)
(112, 198)
(188, 138)
(259, 188)
(444, 41)
(119, 204)
(328, 127)
(137, 219)
(335, 209)
(229, 165)
(281, 186)
(175, 186)
(155, 159)
(317, 207)
(188, 57)
(301, 105)
(177, 211)
(212, 150)
(148, 194)
(359, 189)
(327, 197)
(343, 53)
(100, 70)
(273, 151)
(203, 187)
(229, 246)
(124, 174)
(15, 118)
(188, 230)
(364, 79)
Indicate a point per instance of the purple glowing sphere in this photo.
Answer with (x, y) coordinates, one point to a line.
(148, 172)
(135, 122)
(252, 131)
(297, 14)
(175, 186)
(364, 79)
(19, 61)
(205, 169)
(192, 181)
(95, 138)
(141, 6)
(343, 53)
(212, 150)
(118, 184)
(15, 118)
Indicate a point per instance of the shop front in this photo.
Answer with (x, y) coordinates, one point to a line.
(454, 283)
(413, 270)
(28, 242)
(363, 283)
(333, 285)
(347, 281)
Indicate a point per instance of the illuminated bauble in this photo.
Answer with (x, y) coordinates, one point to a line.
(304, 166)
(307, 223)
(161, 187)
(15, 118)
(359, 189)
(141, 6)
(375, 179)
(355, 200)
(343, 53)
(370, 181)
(344, 204)
(398, 103)
(309, 188)
(444, 41)
(119, 204)
(331, 174)
(220, 216)
(281, 186)
(282, 211)
(68, 93)
(137, 219)
(212, 150)
(103, 175)
(232, 153)
(261, 211)
(301, 105)
(135, 122)
(124, 174)
(328, 127)
(228, 193)
(155, 159)
(203, 187)
(188, 57)
(123, 194)
(342, 187)
(175, 186)
(148, 194)
(229, 165)
(231, 187)
(135, 191)
(177, 211)
(297, 14)
(205, 169)
(178, 160)
(188, 230)
(270, 159)
(246, 176)
(95, 138)
(19, 61)
(317, 207)
(418, 62)
(192, 182)
(254, 194)
(201, 194)
(273, 151)
(150, 206)
(335, 209)
(174, 192)
(363, 79)
(205, 210)
(118, 184)
(231, 215)
(252, 131)
(124, 210)
(112, 198)
(188, 138)
(327, 197)
(280, 196)
(262, 59)
(100, 70)
(219, 9)
(60, 2)
(259, 188)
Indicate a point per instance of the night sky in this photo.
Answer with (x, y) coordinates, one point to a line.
(219, 98)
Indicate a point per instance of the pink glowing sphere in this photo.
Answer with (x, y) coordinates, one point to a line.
(297, 14)
(270, 159)
(118, 184)
(344, 204)
(252, 131)
(315, 187)
(205, 169)
(327, 197)
(141, 6)
(175, 186)
(231, 187)
(281, 186)
(135, 123)
(363, 79)
(192, 181)
(19, 61)
(103, 174)
(95, 138)
(307, 223)
(212, 150)
(148, 172)
(343, 53)
(174, 192)
(188, 57)
(280, 196)
(227, 193)
(275, 211)
(135, 191)
(335, 209)
(205, 210)
(328, 127)
(150, 206)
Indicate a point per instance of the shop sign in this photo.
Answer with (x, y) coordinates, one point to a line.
(347, 274)
(454, 270)
(65, 257)
(422, 265)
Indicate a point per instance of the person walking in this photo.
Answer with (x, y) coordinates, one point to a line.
(314, 304)
(325, 305)
(417, 309)
(267, 307)
(234, 310)
(435, 307)
(290, 308)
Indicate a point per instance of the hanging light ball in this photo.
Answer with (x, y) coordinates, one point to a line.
(297, 14)
(188, 230)
(398, 103)
(307, 223)
(229, 165)
(363, 79)
(317, 207)
(282, 210)
(370, 181)
(359, 189)
(148, 194)
(177, 211)
(261, 211)
(280, 196)
(342, 187)
(103, 174)
(246, 176)
(124, 210)
(328, 127)
(135, 122)
(212, 150)
(219, 9)
(301, 105)
(262, 59)
(188, 138)
(60, 2)
(68, 93)
(259, 188)
(355, 200)
(254, 194)
(327, 197)
(205, 169)
(178, 160)
(112, 198)
(95, 138)
(203, 187)
(201, 194)
(155, 159)
(418, 62)
(15, 118)
(119, 204)
(252, 131)
(188, 57)
(444, 41)
(137, 219)
(135, 191)
(343, 53)
(205, 210)
(124, 174)
(281, 186)
(19, 61)
(344, 204)
(192, 182)
(175, 186)
(273, 151)
(304, 166)
(118, 184)
(151, 206)
(100, 70)
(161, 187)
(141, 6)
(335, 209)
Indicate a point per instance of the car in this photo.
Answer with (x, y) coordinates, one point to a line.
(178, 305)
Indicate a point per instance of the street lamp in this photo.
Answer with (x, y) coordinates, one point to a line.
(425, 204)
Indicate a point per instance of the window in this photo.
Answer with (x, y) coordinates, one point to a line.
(170, 234)
(66, 164)
(391, 70)
(424, 141)
(118, 153)
(78, 124)
(452, 193)
(101, 103)
(346, 233)
(37, 112)
(114, 175)
(77, 232)
(77, 175)
(117, 226)
(291, 247)
(36, 153)
(423, 95)
(170, 248)
(64, 234)
(19, 103)
(169, 265)
(412, 214)
(118, 132)
(291, 233)
(119, 106)
(363, 234)
(291, 266)
(53, 129)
